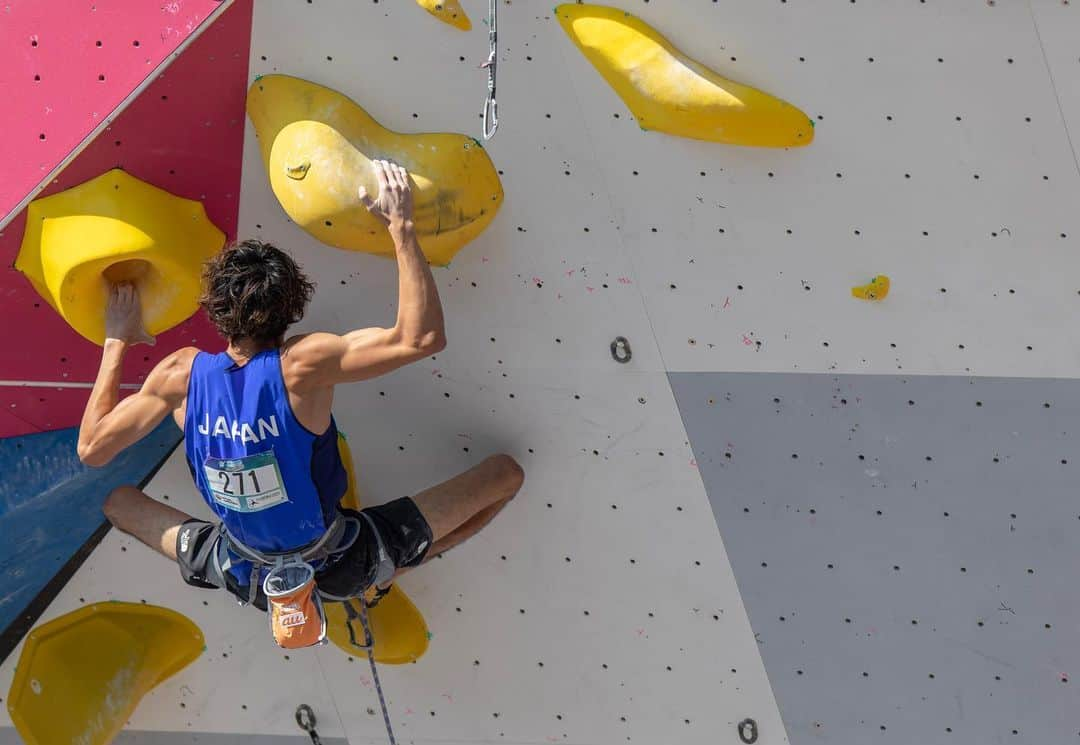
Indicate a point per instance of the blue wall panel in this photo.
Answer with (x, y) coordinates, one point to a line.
(50, 504)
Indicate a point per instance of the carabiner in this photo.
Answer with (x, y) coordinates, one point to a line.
(491, 117)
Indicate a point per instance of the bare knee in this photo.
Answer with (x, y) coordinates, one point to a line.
(120, 504)
(509, 475)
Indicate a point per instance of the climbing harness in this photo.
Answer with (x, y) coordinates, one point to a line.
(333, 541)
(491, 107)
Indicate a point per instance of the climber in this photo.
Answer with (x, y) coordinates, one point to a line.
(261, 441)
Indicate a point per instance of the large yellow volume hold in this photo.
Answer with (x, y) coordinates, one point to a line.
(80, 676)
(447, 11)
(318, 147)
(669, 92)
(114, 228)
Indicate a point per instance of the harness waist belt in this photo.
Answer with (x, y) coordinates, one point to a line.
(315, 551)
(329, 543)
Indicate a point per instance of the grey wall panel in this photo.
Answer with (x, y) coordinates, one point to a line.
(908, 548)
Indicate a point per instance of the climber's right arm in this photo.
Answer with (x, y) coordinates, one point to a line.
(322, 360)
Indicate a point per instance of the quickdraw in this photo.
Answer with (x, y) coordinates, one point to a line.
(491, 107)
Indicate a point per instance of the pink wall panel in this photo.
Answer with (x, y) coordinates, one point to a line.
(67, 64)
(41, 409)
(184, 133)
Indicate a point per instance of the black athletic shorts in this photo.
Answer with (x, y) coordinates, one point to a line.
(405, 534)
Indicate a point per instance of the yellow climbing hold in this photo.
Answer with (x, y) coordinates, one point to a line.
(875, 289)
(396, 624)
(317, 146)
(113, 228)
(80, 676)
(669, 92)
(447, 11)
(400, 633)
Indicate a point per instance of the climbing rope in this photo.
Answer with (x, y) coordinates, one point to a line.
(491, 107)
(369, 647)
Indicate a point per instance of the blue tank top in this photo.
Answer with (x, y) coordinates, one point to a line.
(274, 484)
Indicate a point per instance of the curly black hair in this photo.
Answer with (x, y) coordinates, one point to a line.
(253, 290)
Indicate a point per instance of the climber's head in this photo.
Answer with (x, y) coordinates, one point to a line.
(254, 291)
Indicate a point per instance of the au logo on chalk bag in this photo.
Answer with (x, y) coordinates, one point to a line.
(247, 484)
(297, 618)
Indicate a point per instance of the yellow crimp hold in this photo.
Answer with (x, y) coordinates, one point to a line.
(400, 632)
(113, 228)
(447, 11)
(318, 147)
(669, 92)
(80, 676)
(876, 289)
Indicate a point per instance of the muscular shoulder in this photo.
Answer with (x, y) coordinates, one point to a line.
(303, 346)
(169, 378)
(302, 356)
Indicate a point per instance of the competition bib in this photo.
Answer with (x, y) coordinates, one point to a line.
(248, 484)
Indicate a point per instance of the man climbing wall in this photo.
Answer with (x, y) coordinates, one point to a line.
(261, 440)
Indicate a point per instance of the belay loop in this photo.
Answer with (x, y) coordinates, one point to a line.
(491, 107)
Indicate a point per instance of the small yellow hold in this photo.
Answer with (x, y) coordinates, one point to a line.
(318, 147)
(670, 92)
(117, 228)
(447, 11)
(81, 675)
(876, 289)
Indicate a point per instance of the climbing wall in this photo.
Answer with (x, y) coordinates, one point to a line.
(845, 520)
